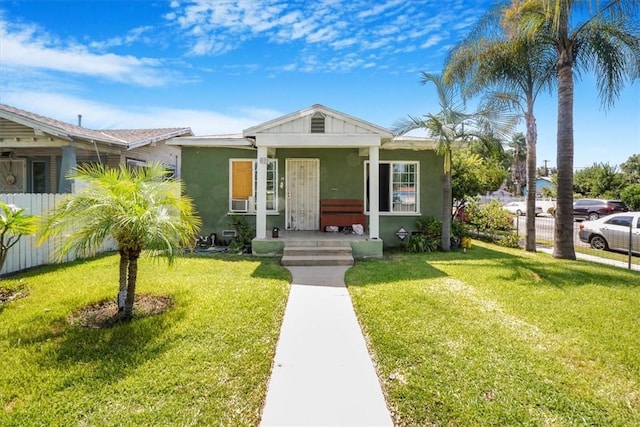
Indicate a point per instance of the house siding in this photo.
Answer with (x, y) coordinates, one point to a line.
(431, 171)
(12, 130)
(206, 174)
(159, 152)
(332, 125)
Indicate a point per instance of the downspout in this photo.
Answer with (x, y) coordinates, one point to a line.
(97, 152)
(67, 164)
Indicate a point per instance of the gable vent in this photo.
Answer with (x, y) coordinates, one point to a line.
(317, 123)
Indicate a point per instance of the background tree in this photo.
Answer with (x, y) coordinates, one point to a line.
(600, 180)
(631, 169)
(472, 175)
(546, 171)
(141, 209)
(584, 36)
(510, 70)
(452, 126)
(14, 224)
(631, 196)
(518, 168)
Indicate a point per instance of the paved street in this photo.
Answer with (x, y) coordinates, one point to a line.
(544, 228)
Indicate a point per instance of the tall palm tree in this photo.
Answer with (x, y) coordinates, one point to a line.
(452, 126)
(518, 151)
(509, 69)
(584, 36)
(141, 209)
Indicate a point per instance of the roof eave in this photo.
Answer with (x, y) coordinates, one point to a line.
(163, 137)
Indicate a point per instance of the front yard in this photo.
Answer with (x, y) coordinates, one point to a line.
(490, 337)
(206, 361)
(502, 337)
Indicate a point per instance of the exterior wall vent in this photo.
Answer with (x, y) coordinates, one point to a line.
(317, 123)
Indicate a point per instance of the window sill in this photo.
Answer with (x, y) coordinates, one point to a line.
(396, 213)
(269, 213)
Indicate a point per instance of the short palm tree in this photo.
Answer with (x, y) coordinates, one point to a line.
(452, 126)
(583, 35)
(509, 69)
(141, 209)
(14, 223)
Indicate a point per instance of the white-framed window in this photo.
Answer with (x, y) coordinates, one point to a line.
(135, 163)
(398, 186)
(243, 181)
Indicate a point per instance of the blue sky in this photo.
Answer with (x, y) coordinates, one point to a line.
(220, 66)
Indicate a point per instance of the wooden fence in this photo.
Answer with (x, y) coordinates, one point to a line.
(26, 254)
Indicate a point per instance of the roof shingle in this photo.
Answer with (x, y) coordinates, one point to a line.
(130, 138)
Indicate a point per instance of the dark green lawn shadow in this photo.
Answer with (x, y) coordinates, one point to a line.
(541, 269)
(544, 270)
(397, 267)
(54, 266)
(268, 267)
(520, 267)
(109, 354)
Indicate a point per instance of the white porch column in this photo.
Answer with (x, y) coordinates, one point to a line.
(261, 194)
(374, 183)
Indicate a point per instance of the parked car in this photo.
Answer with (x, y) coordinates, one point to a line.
(520, 208)
(612, 232)
(592, 209)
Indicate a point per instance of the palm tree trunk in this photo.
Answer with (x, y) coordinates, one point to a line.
(122, 290)
(446, 203)
(563, 236)
(3, 254)
(531, 139)
(131, 285)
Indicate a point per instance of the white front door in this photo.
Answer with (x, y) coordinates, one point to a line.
(303, 190)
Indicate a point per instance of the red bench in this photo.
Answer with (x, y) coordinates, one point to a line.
(341, 212)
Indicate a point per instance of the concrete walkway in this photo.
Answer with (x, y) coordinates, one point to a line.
(322, 373)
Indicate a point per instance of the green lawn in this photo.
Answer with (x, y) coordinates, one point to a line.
(490, 337)
(206, 361)
(502, 337)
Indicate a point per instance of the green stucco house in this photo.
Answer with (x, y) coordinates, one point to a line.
(284, 173)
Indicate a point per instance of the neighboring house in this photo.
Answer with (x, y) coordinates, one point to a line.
(277, 173)
(541, 183)
(37, 152)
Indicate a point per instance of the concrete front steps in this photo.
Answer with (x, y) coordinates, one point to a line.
(318, 255)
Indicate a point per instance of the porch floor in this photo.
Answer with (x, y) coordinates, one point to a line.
(316, 236)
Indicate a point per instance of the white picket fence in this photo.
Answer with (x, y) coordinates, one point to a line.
(26, 254)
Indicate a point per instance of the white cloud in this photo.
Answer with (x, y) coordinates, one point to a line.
(378, 9)
(344, 43)
(432, 41)
(329, 27)
(133, 36)
(27, 47)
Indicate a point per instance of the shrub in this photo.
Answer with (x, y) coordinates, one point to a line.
(429, 226)
(489, 218)
(509, 240)
(422, 243)
(244, 234)
(631, 196)
(428, 238)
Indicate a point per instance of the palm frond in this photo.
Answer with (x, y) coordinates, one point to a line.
(139, 208)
